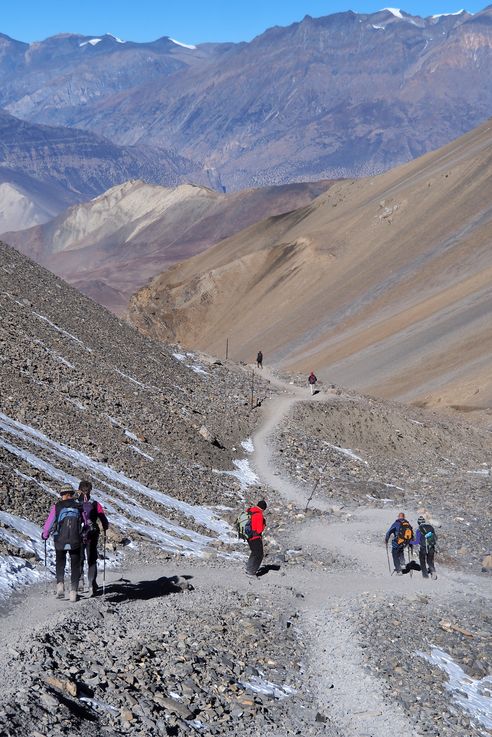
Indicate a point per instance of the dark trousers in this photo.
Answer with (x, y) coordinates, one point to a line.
(398, 554)
(426, 559)
(89, 554)
(61, 557)
(256, 555)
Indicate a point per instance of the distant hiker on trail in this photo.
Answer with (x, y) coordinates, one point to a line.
(312, 379)
(92, 511)
(402, 533)
(259, 360)
(250, 525)
(426, 538)
(65, 520)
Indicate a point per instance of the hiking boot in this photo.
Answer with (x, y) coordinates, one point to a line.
(434, 575)
(93, 590)
(60, 590)
(73, 596)
(81, 586)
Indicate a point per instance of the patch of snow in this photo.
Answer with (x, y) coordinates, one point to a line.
(91, 42)
(185, 46)
(130, 378)
(60, 330)
(140, 452)
(243, 473)
(131, 435)
(395, 11)
(113, 421)
(481, 472)
(376, 499)
(99, 705)
(248, 445)
(261, 685)
(394, 486)
(346, 452)
(76, 402)
(179, 356)
(472, 695)
(198, 369)
(444, 15)
(379, 28)
(118, 40)
(16, 572)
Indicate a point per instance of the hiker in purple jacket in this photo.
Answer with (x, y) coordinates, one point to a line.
(65, 522)
(92, 513)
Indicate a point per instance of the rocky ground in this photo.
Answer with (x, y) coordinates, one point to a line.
(360, 451)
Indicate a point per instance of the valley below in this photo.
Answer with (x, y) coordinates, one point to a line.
(176, 442)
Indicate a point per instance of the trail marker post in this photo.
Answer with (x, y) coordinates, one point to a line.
(227, 349)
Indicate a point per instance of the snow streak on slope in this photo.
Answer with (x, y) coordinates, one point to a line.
(123, 499)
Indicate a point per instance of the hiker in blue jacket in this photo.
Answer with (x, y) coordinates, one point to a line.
(402, 534)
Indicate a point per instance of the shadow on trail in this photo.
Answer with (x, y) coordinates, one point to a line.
(263, 570)
(124, 590)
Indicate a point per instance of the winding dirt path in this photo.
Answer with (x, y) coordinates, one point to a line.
(352, 697)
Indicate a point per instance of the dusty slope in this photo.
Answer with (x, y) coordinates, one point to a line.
(381, 284)
(112, 245)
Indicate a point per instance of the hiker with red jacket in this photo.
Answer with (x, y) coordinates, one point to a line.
(92, 513)
(255, 540)
(312, 379)
(65, 522)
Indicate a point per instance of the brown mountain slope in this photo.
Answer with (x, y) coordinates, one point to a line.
(112, 245)
(381, 284)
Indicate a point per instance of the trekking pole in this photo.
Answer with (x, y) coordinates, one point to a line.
(388, 557)
(45, 555)
(312, 494)
(104, 564)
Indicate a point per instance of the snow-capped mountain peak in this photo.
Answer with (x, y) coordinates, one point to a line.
(394, 11)
(185, 46)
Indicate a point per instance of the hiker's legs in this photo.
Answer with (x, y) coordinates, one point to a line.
(398, 554)
(423, 563)
(312, 388)
(430, 560)
(74, 569)
(256, 555)
(91, 552)
(60, 565)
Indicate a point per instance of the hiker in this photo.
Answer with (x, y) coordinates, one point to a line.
(402, 533)
(312, 379)
(65, 521)
(259, 360)
(426, 539)
(255, 539)
(92, 511)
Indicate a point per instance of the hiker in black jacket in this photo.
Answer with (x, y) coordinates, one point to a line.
(92, 514)
(65, 521)
(402, 534)
(426, 539)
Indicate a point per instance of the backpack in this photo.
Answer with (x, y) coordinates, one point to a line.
(243, 525)
(68, 527)
(89, 517)
(427, 532)
(405, 533)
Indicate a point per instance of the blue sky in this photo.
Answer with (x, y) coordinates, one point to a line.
(190, 21)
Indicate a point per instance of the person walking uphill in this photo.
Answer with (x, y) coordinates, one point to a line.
(426, 539)
(259, 360)
(402, 533)
(65, 521)
(92, 514)
(250, 525)
(312, 379)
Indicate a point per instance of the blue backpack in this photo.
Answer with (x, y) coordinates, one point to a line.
(68, 526)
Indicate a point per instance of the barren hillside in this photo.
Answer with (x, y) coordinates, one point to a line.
(381, 284)
(113, 244)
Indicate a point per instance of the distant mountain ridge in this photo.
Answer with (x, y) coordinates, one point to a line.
(342, 95)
